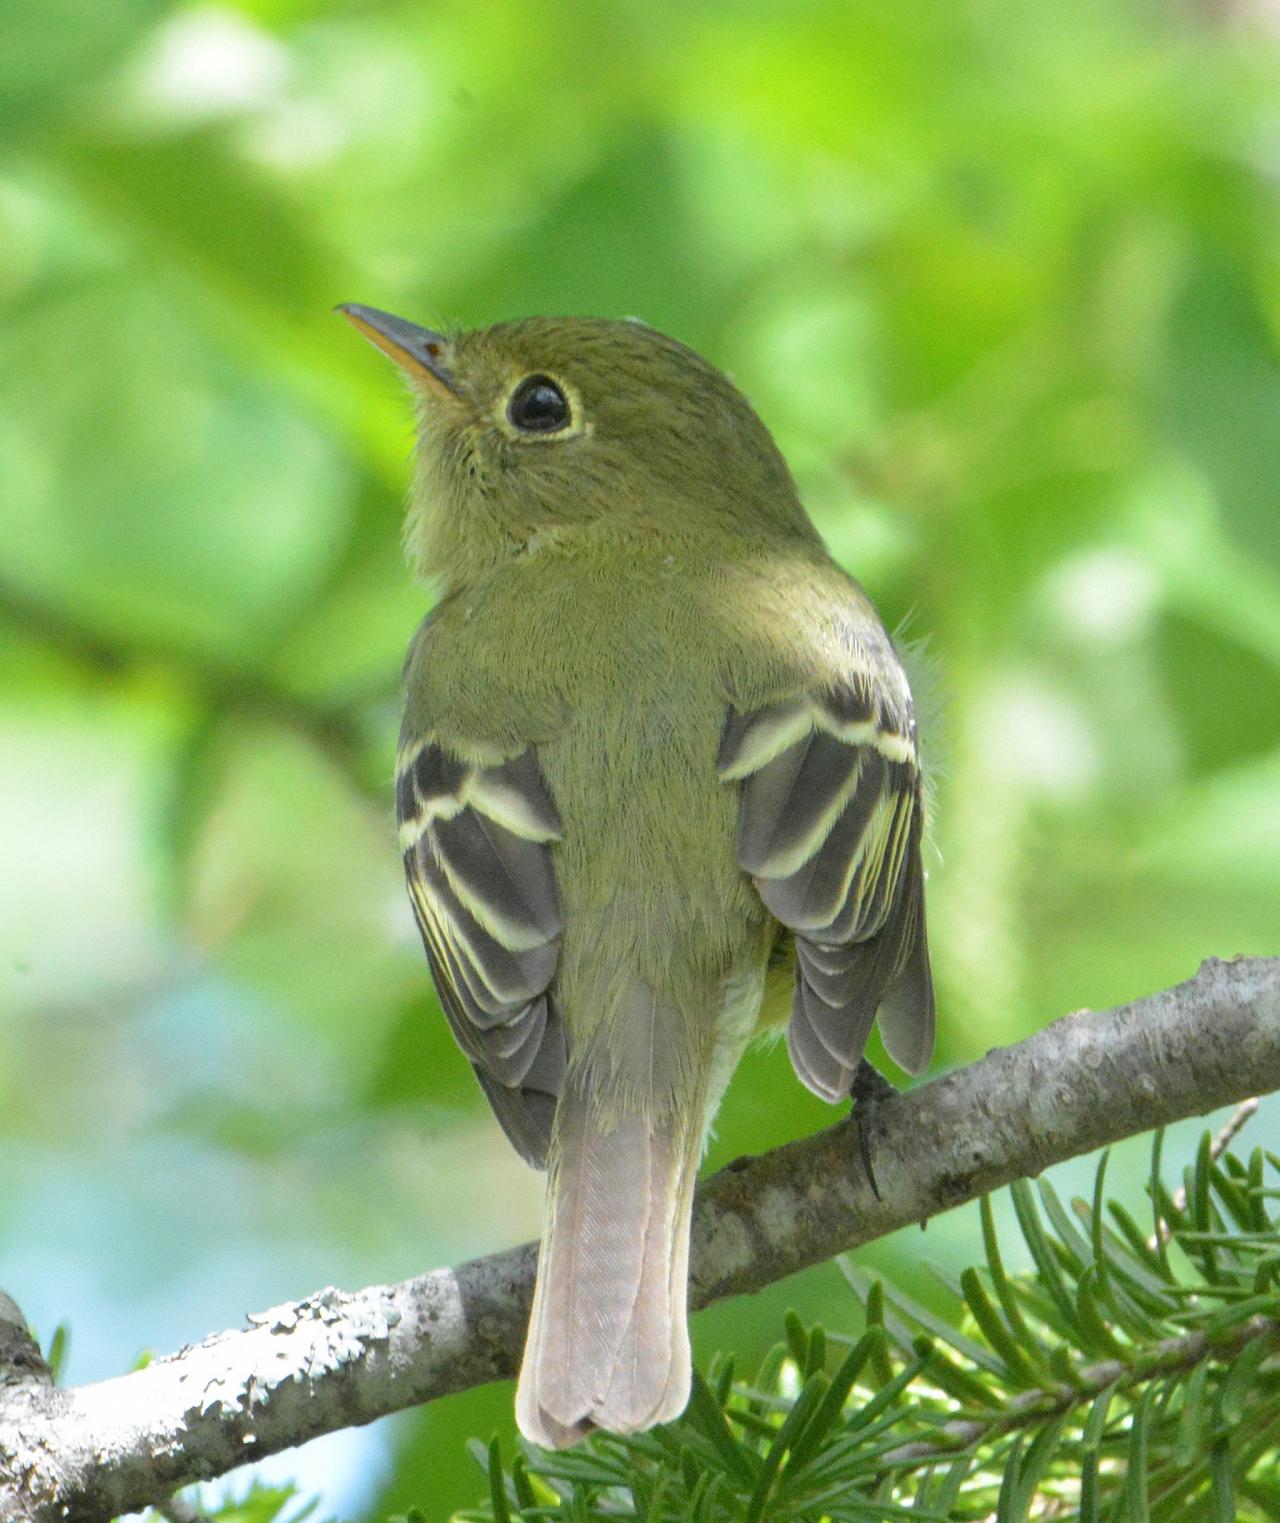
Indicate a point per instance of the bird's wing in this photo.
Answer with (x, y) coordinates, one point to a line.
(476, 840)
(830, 829)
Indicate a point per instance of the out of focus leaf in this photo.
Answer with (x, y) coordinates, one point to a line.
(52, 50)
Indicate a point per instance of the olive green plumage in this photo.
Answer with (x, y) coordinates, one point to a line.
(651, 731)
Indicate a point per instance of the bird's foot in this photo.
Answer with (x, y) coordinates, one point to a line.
(869, 1087)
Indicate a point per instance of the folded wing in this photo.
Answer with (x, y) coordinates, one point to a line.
(476, 841)
(830, 831)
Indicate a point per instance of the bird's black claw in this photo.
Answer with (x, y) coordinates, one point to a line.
(868, 1088)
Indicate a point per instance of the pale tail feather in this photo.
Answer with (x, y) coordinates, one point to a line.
(608, 1343)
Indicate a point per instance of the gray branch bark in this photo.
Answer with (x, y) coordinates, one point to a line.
(337, 1359)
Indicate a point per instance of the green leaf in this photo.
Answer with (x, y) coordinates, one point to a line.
(1001, 1284)
(1039, 1455)
(654, 1511)
(1011, 1483)
(862, 1417)
(1136, 1501)
(951, 1486)
(1163, 1213)
(939, 1327)
(1072, 1249)
(898, 1332)
(1097, 1337)
(817, 1359)
(1234, 1197)
(797, 1339)
(1017, 1368)
(1090, 1452)
(262, 1504)
(707, 1505)
(1201, 1206)
(1045, 1259)
(1224, 1486)
(497, 1483)
(1138, 1244)
(1259, 1220)
(707, 1416)
(724, 1379)
(1097, 1222)
(830, 1408)
(767, 1378)
(806, 1402)
(1063, 1366)
(1266, 1272)
(961, 1384)
(689, 1469)
(1238, 1384)
(526, 1500)
(881, 1367)
(59, 1347)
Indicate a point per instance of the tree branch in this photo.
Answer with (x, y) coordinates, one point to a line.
(335, 728)
(20, 1358)
(338, 1359)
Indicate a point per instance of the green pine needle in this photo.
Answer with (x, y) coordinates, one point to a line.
(1126, 1377)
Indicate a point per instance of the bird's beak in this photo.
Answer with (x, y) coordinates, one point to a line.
(416, 350)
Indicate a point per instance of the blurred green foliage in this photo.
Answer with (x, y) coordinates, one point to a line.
(1003, 277)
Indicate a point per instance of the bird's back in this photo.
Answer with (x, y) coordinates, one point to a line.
(626, 722)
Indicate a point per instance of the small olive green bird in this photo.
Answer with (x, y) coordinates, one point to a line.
(657, 748)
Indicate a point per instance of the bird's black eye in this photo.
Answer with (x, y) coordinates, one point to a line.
(538, 406)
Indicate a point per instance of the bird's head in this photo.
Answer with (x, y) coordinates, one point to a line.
(531, 430)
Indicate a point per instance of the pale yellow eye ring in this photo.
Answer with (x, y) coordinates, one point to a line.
(575, 428)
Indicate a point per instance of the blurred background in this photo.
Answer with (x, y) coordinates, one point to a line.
(1003, 278)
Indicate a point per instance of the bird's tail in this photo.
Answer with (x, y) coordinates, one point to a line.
(608, 1343)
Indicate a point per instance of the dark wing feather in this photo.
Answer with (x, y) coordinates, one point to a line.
(830, 830)
(476, 841)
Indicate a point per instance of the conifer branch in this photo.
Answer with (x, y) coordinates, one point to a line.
(1171, 1356)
